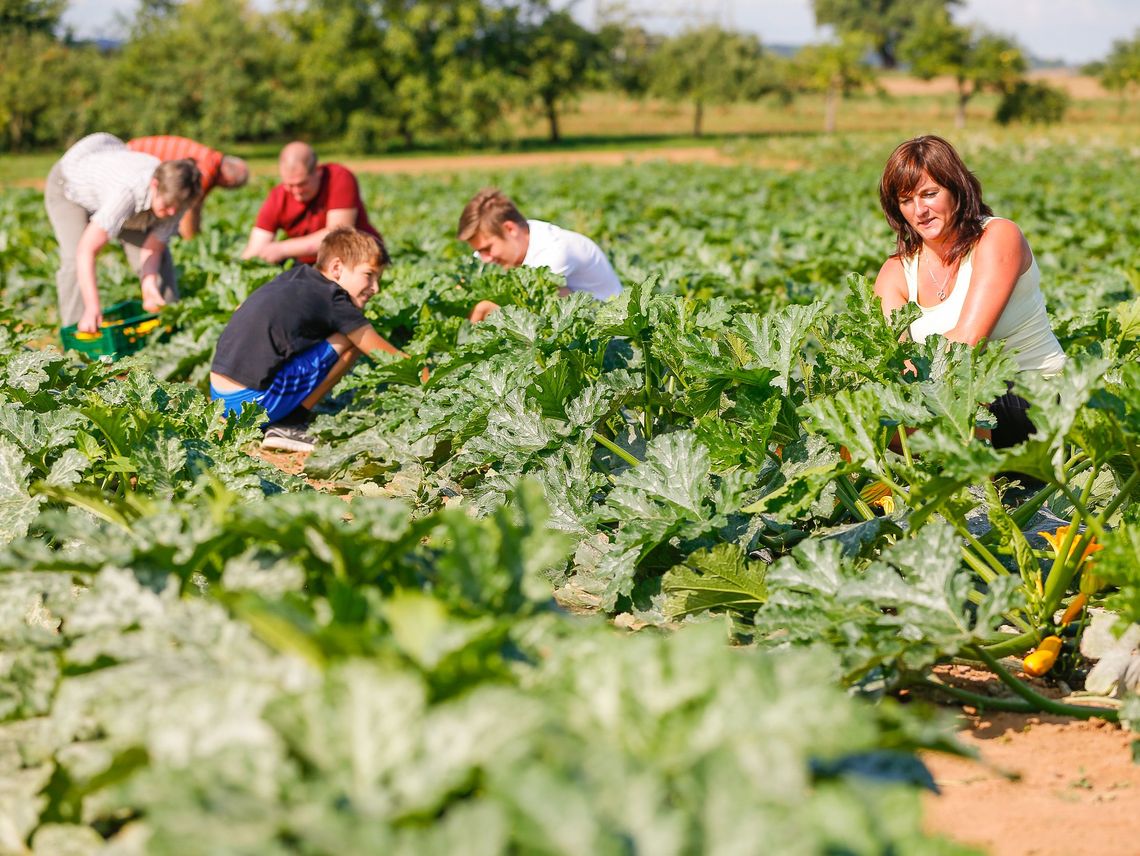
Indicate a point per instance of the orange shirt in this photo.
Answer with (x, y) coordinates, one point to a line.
(168, 148)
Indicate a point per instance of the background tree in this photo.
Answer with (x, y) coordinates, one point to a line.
(46, 84)
(836, 69)
(1121, 69)
(336, 85)
(205, 68)
(884, 22)
(708, 66)
(1032, 102)
(30, 16)
(554, 56)
(975, 59)
(629, 57)
(444, 70)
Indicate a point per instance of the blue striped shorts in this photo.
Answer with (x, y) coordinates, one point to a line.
(300, 375)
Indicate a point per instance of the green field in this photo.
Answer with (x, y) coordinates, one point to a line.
(605, 583)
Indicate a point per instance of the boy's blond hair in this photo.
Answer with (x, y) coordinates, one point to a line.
(352, 247)
(179, 181)
(486, 213)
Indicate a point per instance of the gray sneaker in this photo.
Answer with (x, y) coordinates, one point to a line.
(290, 438)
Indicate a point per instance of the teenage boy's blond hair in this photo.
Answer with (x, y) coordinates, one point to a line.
(352, 247)
(486, 213)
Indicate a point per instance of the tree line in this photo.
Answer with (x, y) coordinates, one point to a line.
(382, 74)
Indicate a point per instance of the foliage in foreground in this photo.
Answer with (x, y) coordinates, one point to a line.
(199, 651)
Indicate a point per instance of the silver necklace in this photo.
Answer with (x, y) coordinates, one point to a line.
(940, 290)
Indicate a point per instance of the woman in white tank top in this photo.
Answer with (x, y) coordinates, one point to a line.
(973, 275)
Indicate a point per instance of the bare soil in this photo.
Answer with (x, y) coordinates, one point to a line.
(1043, 785)
(525, 160)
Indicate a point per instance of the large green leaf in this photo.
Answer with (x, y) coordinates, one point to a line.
(776, 340)
(718, 578)
(17, 507)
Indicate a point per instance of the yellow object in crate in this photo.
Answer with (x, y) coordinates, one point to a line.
(125, 329)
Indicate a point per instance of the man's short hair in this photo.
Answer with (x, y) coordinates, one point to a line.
(233, 172)
(298, 153)
(352, 247)
(179, 181)
(486, 213)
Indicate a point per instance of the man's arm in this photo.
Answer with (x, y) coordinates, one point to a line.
(307, 245)
(366, 340)
(93, 239)
(191, 222)
(259, 239)
(150, 258)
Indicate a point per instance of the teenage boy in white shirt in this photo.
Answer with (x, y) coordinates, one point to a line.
(499, 234)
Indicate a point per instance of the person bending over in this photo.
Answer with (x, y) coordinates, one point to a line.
(499, 234)
(972, 274)
(311, 199)
(100, 191)
(295, 336)
(218, 170)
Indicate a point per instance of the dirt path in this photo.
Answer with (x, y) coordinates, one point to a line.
(1044, 786)
(531, 160)
(488, 163)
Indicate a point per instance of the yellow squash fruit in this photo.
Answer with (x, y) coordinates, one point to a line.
(1041, 661)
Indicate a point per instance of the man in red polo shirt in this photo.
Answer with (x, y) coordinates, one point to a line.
(310, 201)
(218, 170)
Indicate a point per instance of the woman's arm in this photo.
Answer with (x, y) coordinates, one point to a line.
(1001, 256)
(890, 285)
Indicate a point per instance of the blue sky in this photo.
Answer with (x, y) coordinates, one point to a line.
(1076, 31)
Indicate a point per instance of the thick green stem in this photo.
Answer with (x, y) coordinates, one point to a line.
(648, 414)
(850, 497)
(978, 598)
(806, 375)
(860, 506)
(1063, 571)
(905, 446)
(1024, 512)
(1087, 516)
(1012, 646)
(982, 702)
(978, 566)
(1043, 702)
(989, 558)
(1125, 491)
(616, 449)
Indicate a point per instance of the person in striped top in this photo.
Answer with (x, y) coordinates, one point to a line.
(101, 191)
(218, 170)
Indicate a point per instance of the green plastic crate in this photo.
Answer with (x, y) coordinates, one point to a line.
(126, 328)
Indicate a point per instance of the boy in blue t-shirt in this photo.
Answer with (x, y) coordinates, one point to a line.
(294, 337)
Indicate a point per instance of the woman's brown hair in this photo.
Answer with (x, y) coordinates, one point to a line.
(938, 159)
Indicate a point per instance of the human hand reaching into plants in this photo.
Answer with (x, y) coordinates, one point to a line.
(152, 298)
(482, 309)
(91, 320)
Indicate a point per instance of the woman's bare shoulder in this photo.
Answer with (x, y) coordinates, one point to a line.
(1003, 237)
(1000, 231)
(891, 280)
